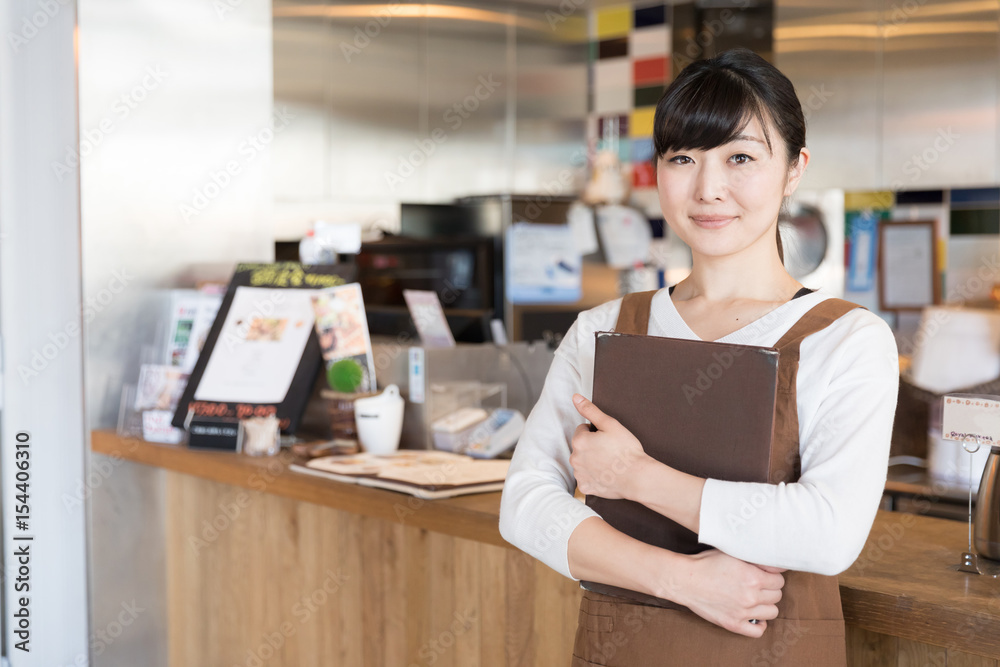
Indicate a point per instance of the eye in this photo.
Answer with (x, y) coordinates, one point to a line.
(680, 159)
(741, 158)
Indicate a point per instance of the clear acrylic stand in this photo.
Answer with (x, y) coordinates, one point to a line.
(129, 419)
(971, 562)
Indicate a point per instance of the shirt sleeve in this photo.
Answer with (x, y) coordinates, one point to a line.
(820, 523)
(538, 511)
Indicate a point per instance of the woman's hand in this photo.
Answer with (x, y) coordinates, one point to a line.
(606, 462)
(729, 592)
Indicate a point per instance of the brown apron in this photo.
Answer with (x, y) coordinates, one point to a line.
(809, 630)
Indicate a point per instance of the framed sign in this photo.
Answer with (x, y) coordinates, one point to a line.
(908, 268)
(262, 355)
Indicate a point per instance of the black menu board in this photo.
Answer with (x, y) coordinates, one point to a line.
(261, 356)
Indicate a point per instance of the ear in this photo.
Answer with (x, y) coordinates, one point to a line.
(796, 171)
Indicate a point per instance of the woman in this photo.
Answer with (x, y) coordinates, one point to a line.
(730, 146)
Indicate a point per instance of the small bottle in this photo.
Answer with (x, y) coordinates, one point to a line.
(309, 249)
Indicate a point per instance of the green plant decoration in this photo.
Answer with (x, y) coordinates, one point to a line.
(344, 376)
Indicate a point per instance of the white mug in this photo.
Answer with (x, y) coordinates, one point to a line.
(379, 420)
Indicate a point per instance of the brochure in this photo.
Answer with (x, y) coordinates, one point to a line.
(424, 474)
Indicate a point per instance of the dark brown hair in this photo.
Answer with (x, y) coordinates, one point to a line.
(711, 101)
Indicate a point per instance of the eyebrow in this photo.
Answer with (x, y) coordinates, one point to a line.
(747, 137)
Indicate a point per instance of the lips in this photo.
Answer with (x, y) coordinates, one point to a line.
(711, 221)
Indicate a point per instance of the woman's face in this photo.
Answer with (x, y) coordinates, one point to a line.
(724, 200)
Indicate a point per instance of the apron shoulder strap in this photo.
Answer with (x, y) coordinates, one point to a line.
(633, 318)
(785, 463)
(816, 319)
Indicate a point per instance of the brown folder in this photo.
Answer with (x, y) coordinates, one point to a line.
(705, 408)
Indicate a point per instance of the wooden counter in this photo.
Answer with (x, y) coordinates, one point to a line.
(263, 561)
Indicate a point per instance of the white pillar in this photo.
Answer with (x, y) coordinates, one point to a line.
(41, 331)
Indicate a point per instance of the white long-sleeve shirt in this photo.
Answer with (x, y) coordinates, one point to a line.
(846, 394)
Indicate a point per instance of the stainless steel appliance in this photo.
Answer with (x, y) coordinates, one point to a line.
(986, 522)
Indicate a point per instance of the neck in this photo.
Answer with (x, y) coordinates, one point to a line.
(756, 274)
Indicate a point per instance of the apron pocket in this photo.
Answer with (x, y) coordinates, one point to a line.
(793, 641)
(595, 622)
(592, 635)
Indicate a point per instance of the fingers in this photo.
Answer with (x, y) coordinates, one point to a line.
(764, 612)
(748, 629)
(770, 597)
(773, 570)
(580, 430)
(592, 413)
(772, 582)
(760, 614)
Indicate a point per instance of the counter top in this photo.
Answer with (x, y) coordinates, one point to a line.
(474, 517)
(916, 481)
(904, 583)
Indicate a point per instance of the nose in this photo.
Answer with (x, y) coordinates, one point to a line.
(710, 183)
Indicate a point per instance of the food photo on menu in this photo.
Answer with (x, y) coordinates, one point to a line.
(342, 329)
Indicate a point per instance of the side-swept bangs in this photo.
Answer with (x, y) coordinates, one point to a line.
(704, 108)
